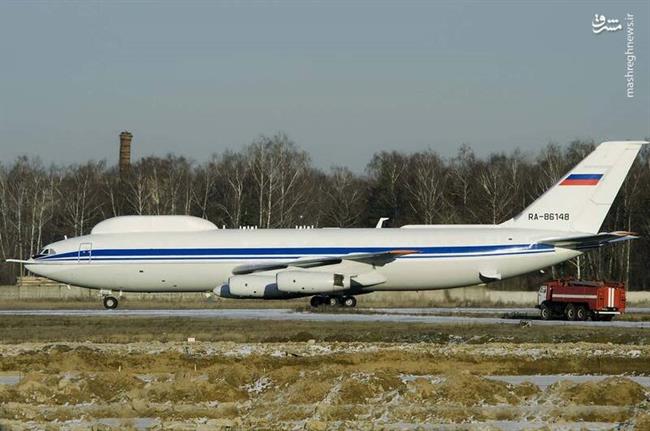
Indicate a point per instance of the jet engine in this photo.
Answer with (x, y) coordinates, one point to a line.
(311, 282)
(250, 286)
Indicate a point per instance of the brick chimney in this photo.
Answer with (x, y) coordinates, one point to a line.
(125, 152)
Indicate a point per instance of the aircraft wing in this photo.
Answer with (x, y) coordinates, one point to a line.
(584, 242)
(374, 259)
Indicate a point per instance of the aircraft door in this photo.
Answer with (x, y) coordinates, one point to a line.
(85, 252)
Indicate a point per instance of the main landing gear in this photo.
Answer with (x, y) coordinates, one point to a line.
(333, 301)
(110, 302)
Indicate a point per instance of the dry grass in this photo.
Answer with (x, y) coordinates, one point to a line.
(342, 385)
(247, 374)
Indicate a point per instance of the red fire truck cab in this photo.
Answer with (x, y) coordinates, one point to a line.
(581, 300)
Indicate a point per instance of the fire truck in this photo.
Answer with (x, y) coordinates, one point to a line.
(581, 300)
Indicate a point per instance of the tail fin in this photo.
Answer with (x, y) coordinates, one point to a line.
(580, 201)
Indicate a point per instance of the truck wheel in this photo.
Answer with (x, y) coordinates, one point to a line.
(545, 312)
(581, 313)
(570, 312)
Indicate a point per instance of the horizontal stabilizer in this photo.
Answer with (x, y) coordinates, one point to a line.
(375, 259)
(584, 242)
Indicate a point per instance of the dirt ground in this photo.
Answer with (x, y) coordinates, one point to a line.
(302, 376)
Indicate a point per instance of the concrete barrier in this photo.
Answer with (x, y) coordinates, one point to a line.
(638, 298)
(452, 297)
(461, 296)
(74, 293)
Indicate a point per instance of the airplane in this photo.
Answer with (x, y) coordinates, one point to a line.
(333, 265)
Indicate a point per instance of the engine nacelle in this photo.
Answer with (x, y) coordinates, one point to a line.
(311, 282)
(246, 286)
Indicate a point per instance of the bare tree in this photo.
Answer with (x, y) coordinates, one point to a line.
(497, 189)
(426, 186)
(78, 197)
(233, 171)
(462, 185)
(345, 199)
(387, 171)
(278, 170)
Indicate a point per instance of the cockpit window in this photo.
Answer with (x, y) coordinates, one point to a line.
(47, 252)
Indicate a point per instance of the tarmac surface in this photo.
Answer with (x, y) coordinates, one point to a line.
(511, 316)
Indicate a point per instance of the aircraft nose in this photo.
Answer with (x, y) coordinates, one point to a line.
(32, 267)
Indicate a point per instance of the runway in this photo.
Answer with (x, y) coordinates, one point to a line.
(513, 316)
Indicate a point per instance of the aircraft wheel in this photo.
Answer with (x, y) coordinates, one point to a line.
(581, 313)
(333, 301)
(316, 301)
(110, 302)
(350, 301)
(570, 312)
(546, 312)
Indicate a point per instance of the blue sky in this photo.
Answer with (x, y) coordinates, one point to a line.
(342, 79)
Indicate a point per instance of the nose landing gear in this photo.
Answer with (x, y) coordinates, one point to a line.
(333, 301)
(110, 302)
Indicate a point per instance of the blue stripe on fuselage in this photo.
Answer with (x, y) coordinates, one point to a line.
(292, 252)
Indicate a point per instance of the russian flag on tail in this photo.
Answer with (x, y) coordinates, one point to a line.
(581, 180)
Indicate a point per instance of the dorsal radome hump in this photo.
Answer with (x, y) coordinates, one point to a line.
(164, 223)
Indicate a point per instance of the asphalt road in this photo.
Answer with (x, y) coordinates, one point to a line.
(400, 315)
(482, 310)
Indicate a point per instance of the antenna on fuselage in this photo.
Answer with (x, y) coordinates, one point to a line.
(381, 221)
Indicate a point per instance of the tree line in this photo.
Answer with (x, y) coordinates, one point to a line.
(271, 183)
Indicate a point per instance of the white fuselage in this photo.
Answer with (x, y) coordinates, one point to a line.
(445, 256)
